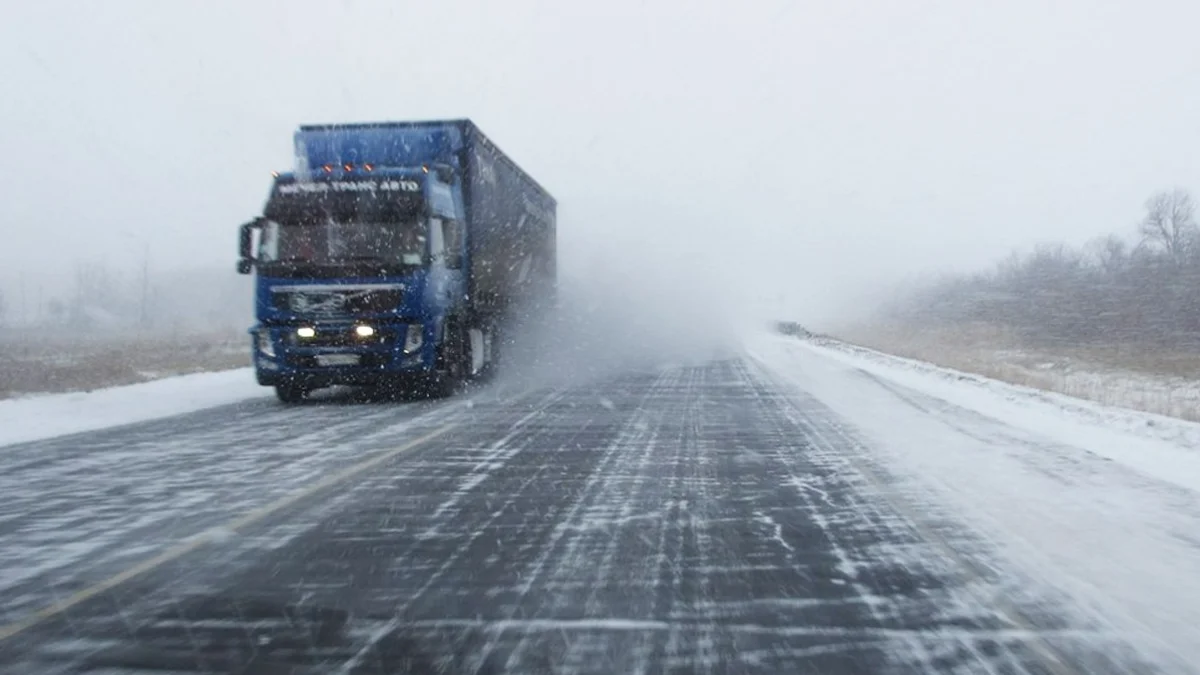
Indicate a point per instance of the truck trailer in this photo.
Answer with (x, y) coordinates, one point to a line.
(395, 255)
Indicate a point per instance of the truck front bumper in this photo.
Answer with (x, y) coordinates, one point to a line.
(329, 358)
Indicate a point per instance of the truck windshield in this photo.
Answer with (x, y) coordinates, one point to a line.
(330, 241)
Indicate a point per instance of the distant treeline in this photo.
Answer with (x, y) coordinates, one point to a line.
(105, 300)
(1143, 290)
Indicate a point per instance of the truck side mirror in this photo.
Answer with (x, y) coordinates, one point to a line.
(445, 173)
(246, 245)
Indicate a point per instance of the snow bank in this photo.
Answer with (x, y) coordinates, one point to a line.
(1162, 447)
(38, 417)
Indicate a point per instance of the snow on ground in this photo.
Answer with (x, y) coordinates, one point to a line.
(38, 417)
(1100, 504)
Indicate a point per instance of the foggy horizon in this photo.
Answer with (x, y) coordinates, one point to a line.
(792, 160)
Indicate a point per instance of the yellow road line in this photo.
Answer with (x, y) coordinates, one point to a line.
(211, 535)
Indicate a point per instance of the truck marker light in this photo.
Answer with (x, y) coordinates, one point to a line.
(425, 168)
(328, 168)
(347, 167)
(275, 174)
(364, 331)
(306, 332)
(368, 167)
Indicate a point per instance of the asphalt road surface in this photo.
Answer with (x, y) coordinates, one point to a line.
(701, 519)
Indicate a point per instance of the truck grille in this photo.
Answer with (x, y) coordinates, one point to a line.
(337, 302)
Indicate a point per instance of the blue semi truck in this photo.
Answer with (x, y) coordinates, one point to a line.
(397, 255)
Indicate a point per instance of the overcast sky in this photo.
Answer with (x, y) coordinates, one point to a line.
(797, 152)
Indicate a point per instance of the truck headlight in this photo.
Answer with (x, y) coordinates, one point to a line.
(306, 332)
(414, 338)
(364, 331)
(265, 346)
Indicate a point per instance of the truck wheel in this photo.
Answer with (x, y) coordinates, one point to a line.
(290, 393)
(453, 366)
(494, 355)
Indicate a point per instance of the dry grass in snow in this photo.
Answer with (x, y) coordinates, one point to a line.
(1165, 382)
(50, 364)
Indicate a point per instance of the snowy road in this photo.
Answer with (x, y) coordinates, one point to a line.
(730, 517)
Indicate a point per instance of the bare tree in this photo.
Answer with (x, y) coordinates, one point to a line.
(57, 309)
(1109, 291)
(99, 294)
(1111, 254)
(1170, 223)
